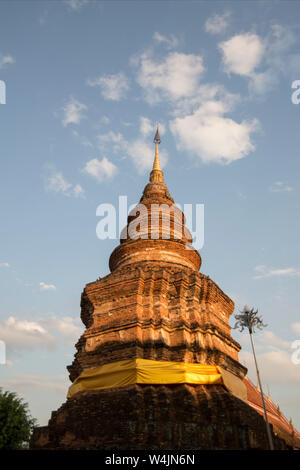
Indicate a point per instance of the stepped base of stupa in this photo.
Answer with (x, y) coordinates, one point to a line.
(155, 417)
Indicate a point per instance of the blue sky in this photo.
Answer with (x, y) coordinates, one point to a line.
(85, 83)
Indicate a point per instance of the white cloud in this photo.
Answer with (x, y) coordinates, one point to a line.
(261, 82)
(175, 77)
(296, 327)
(78, 191)
(113, 87)
(142, 155)
(217, 24)
(24, 382)
(115, 140)
(206, 94)
(25, 335)
(66, 326)
(100, 169)
(242, 53)
(273, 354)
(4, 265)
(211, 136)
(140, 150)
(275, 367)
(86, 143)
(76, 5)
(44, 286)
(58, 184)
(270, 340)
(73, 112)
(170, 42)
(112, 137)
(43, 333)
(279, 41)
(277, 59)
(265, 272)
(148, 128)
(280, 187)
(5, 60)
(200, 124)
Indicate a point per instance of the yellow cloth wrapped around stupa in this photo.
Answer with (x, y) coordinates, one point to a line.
(145, 371)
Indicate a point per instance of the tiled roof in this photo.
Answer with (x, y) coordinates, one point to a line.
(282, 426)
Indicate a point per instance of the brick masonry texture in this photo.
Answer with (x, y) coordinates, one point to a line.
(155, 304)
(155, 417)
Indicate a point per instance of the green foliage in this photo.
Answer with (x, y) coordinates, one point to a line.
(16, 424)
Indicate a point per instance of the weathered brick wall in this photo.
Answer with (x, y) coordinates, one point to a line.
(155, 417)
(156, 312)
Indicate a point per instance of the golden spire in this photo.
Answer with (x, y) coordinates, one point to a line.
(156, 174)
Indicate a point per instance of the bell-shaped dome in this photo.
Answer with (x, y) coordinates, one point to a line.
(155, 230)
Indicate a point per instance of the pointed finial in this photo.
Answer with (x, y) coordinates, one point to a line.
(156, 174)
(157, 136)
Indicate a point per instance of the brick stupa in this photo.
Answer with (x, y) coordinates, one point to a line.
(155, 305)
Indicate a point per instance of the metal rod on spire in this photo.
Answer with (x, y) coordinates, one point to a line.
(157, 139)
(156, 173)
